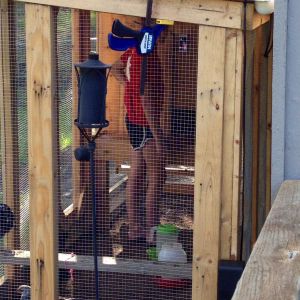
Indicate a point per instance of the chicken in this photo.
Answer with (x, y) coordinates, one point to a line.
(6, 219)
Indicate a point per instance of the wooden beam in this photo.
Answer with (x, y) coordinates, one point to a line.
(237, 151)
(208, 166)
(231, 144)
(227, 14)
(42, 151)
(273, 270)
(106, 264)
(80, 50)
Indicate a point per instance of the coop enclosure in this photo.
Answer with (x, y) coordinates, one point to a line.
(215, 117)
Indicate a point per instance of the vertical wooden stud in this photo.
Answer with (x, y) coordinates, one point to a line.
(231, 145)
(262, 145)
(237, 151)
(208, 162)
(247, 193)
(80, 49)
(42, 151)
(228, 142)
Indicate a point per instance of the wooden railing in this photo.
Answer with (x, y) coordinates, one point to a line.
(273, 270)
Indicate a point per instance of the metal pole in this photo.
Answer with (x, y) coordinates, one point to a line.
(91, 147)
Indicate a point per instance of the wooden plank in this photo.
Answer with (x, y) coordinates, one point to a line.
(256, 106)
(208, 166)
(247, 193)
(231, 145)
(273, 269)
(228, 143)
(206, 12)
(42, 147)
(80, 50)
(262, 145)
(106, 264)
(237, 151)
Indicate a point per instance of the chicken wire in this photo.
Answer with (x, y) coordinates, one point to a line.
(175, 66)
(14, 187)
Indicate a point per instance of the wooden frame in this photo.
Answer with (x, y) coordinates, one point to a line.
(218, 116)
(42, 151)
(227, 14)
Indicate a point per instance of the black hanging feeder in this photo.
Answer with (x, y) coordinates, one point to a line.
(92, 77)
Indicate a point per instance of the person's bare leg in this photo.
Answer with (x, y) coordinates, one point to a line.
(133, 193)
(155, 179)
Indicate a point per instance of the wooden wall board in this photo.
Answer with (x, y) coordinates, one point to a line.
(208, 166)
(231, 145)
(42, 151)
(273, 269)
(206, 12)
(237, 151)
(115, 109)
(256, 103)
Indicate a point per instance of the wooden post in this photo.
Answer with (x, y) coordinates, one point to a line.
(231, 144)
(81, 48)
(208, 162)
(42, 151)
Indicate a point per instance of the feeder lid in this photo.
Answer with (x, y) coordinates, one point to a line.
(93, 62)
(167, 229)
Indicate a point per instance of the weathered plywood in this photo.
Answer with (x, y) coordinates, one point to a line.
(42, 147)
(208, 165)
(273, 270)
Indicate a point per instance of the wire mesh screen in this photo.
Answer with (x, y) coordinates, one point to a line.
(14, 187)
(144, 176)
(144, 162)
